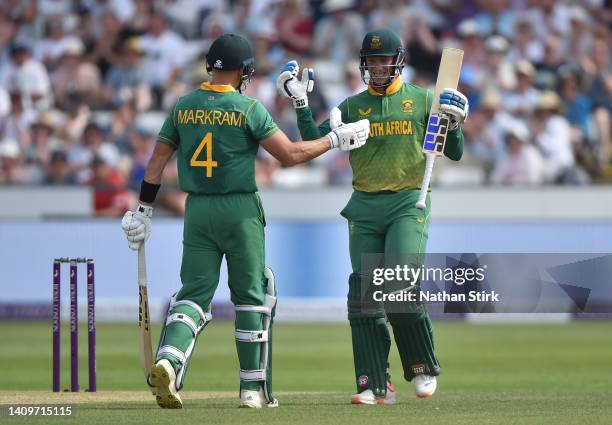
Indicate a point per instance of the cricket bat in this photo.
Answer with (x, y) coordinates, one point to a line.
(437, 124)
(144, 320)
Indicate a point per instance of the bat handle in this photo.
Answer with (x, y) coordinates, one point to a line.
(429, 163)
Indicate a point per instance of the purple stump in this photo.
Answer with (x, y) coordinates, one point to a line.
(56, 325)
(74, 331)
(91, 324)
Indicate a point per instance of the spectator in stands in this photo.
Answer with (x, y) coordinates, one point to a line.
(338, 34)
(104, 50)
(50, 49)
(489, 145)
(142, 143)
(522, 100)
(164, 55)
(576, 104)
(28, 77)
(521, 164)
(43, 140)
(16, 124)
(75, 76)
(553, 138)
(93, 145)
(294, 29)
(111, 199)
(496, 17)
(58, 171)
(11, 171)
(125, 82)
(498, 73)
(598, 68)
(353, 84)
(525, 44)
(472, 44)
(547, 77)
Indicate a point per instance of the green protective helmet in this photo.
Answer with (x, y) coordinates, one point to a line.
(230, 52)
(382, 42)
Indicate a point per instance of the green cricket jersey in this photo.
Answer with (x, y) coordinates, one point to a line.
(216, 132)
(392, 159)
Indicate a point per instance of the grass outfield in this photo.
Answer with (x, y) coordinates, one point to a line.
(498, 374)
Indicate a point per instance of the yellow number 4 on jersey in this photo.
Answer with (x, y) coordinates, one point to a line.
(209, 164)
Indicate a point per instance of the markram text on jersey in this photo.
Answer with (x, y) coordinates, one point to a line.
(209, 116)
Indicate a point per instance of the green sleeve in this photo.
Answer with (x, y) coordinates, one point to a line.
(259, 121)
(453, 148)
(168, 133)
(308, 127)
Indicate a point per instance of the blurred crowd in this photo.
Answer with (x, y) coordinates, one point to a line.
(84, 84)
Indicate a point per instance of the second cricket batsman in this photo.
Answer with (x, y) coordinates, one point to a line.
(381, 213)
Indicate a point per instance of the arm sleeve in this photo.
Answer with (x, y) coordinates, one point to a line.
(453, 148)
(259, 121)
(169, 133)
(309, 129)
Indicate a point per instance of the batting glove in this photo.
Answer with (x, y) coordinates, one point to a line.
(347, 136)
(290, 87)
(455, 104)
(137, 225)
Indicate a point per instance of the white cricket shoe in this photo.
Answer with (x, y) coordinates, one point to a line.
(425, 385)
(251, 399)
(368, 397)
(163, 380)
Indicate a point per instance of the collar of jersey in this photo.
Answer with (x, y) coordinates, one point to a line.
(394, 87)
(221, 88)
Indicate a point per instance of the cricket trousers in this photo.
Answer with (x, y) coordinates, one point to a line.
(387, 223)
(230, 225)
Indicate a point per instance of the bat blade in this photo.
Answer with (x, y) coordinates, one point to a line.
(144, 319)
(437, 124)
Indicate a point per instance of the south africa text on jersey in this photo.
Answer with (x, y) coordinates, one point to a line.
(390, 128)
(209, 117)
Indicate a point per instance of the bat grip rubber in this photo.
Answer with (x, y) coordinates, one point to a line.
(429, 163)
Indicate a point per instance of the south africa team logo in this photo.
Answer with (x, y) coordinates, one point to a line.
(366, 112)
(407, 106)
(375, 43)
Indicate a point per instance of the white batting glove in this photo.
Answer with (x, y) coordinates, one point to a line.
(290, 87)
(455, 104)
(347, 136)
(137, 226)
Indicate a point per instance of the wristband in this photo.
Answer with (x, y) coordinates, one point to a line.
(333, 139)
(148, 191)
(300, 102)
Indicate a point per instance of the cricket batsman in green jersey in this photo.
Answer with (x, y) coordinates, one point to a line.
(382, 216)
(215, 132)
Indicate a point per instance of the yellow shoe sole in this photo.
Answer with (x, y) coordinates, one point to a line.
(167, 397)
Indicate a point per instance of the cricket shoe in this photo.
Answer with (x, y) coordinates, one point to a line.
(250, 399)
(368, 397)
(163, 380)
(425, 385)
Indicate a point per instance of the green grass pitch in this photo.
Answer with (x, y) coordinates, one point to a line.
(492, 374)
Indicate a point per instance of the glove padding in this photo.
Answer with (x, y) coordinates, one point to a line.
(290, 87)
(347, 136)
(455, 104)
(137, 226)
